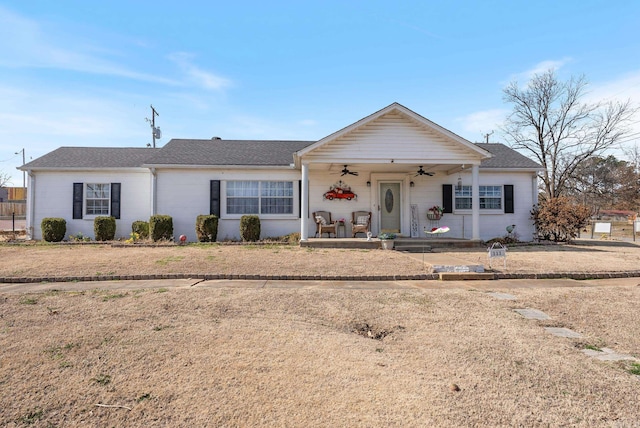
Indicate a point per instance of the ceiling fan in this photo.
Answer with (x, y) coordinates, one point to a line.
(346, 171)
(423, 172)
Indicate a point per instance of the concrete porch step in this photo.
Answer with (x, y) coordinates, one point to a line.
(412, 248)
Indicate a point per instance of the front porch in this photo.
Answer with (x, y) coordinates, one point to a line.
(413, 245)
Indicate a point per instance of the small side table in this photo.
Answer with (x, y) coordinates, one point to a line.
(341, 225)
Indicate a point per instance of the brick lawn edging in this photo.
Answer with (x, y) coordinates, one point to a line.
(418, 277)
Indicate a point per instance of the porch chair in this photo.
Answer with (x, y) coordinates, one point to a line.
(360, 222)
(325, 224)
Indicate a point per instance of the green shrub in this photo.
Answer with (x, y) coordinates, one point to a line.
(104, 228)
(161, 227)
(250, 228)
(141, 228)
(53, 229)
(207, 228)
(559, 219)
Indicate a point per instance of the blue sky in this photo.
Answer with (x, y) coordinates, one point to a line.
(84, 73)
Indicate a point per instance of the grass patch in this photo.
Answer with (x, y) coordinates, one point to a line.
(58, 353)
(108, 297)
(634, 369)
(31, 417)
(162, 290)
(145, 396)
(592, 347)
(28, 301)
(165, 261)
(102, 379)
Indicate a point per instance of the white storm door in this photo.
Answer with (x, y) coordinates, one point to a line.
(390, 204)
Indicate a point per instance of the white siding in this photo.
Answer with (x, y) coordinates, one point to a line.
(54, 198)
(320, 183)
(393, 136)
(427, 192)
(185, 194)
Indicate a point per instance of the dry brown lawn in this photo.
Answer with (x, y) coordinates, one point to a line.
(46, 260)
(278, 357)
(309, 357)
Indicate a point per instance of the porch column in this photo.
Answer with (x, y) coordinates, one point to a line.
(31, 187)
(475, 202)
(304, 205)
(154, 191)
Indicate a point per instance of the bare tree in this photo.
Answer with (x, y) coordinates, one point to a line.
(4, 179)
(551, 122)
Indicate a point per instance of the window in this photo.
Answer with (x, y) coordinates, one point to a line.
(490, 198)
(259, 197)
(93, 199)
(463, 198)
(97, 198)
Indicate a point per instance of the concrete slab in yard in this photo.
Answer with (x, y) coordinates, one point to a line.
(533, 314)
(563, 332)
(342, 285)
(232, 283)
(607, 354)
(502, 296)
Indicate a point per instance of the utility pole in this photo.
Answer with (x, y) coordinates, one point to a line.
(24, 185)
(155, 132)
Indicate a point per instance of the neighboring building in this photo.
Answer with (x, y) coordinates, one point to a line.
(12, 194)
(617, 215)
(482, 187)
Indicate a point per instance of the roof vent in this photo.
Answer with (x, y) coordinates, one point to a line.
(216, 138)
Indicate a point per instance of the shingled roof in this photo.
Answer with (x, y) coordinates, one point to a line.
(92, 157)
(181, 152)
(227, 152)
(505, 157)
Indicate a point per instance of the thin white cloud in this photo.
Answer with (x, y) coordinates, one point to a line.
(199, 77)
(539, 68)
(482, 122)
(626, 87)
(25, 43)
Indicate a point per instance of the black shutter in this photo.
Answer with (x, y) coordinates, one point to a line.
(115, 200)
(447, 198)
(214, 198)
(300, 198)
(508, 199)
(77, 200)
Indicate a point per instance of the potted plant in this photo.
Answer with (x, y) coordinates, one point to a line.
(387, 240)
(435, 212)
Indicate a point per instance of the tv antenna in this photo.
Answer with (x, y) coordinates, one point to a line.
(155, 131)
(487, 135)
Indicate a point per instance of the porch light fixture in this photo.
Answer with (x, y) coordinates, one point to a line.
(459, 185)
(412, 184)
(368, 184)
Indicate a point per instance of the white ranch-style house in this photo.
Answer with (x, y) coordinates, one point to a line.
(396, 163)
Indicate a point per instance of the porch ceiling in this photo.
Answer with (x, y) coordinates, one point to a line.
(405, 168)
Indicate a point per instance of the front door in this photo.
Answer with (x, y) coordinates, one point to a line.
(390, 204)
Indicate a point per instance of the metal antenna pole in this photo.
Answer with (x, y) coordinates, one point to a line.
(154, 113)
(487, 136)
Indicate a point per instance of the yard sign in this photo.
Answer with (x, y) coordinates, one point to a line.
(601, 227)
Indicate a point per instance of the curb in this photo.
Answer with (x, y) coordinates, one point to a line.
(420, 277)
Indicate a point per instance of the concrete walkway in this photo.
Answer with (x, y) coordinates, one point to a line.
(505, 284)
